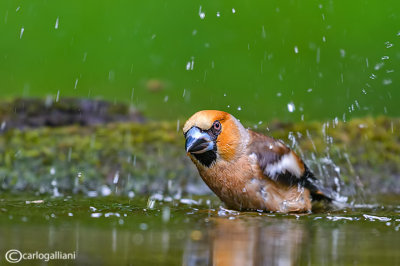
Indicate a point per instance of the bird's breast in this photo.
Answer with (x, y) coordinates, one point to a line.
(242, 186)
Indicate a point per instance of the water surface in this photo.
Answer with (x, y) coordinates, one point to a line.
(143, 231)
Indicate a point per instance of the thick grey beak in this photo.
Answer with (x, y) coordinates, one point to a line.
(197, 141)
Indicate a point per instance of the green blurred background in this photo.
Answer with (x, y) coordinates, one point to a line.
(259, 60)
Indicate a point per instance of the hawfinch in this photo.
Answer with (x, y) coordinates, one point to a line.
(247, 170)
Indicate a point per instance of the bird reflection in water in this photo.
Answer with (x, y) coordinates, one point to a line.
(241, 242)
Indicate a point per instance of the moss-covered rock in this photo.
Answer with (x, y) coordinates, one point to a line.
(32, 113)
(361, 155)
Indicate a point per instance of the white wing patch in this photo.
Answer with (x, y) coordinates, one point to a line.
(253, 157)
(287, 163)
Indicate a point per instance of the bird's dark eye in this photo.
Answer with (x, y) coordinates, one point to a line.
(217, 126)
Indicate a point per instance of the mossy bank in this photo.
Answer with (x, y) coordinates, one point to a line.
(358, 157)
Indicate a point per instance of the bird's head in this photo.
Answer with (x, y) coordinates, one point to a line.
(213, 135)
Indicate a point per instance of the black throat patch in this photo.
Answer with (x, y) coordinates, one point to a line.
(206, 158)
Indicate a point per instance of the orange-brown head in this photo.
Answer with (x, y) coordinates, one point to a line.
(214, 135)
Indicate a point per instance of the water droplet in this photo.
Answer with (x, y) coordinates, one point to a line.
(96, 215)
(388, 44)
(296, 49)
(166, 98)
(385, 57)
(218, 14)
(263, 33)
(132, 93)
(202, 15)
(309, 90)
(22, 32)
(91, 194)
(378, 66)
(194, 32)
(52, 171)
(387, 82)
(18, 8)
(58, 96)
(342, 53)
(116, 177)
(234, 11)
(150, 203)
(291, 107)
(373, 76)
(143, 226)
(56, 25)
(105, 190)
(189, 65)
(239, 108)
(279, 94)
(323, 39)
(111, 75)
(76, 83)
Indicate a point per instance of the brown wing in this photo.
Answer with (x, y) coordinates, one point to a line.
(279, 163)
